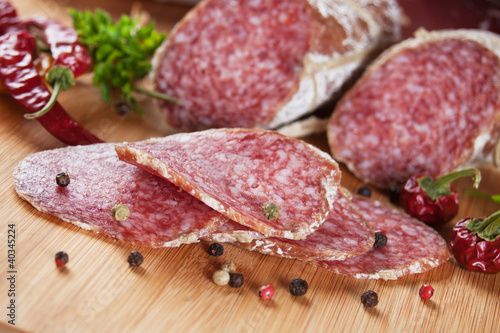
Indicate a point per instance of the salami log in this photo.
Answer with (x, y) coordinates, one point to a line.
(161, 215)
(265, 63)
(429, 105)
(344, 234)
(412, 246)
(240, 171)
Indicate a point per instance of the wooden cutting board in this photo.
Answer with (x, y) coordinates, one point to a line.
(172, 290)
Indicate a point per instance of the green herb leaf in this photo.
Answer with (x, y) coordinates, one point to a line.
(120, 51)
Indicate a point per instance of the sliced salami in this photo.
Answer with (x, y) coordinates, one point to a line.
(429, 105)
(265, 63)
(344, 234)
(161, 215)
(238, 171)
(412, 246)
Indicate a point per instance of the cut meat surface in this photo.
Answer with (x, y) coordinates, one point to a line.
(412, 246)
(161, 215)
(237, 171)
(429, 105)
(344, 234)
(265, 63)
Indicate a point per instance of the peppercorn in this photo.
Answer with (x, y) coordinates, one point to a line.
(120, 212)
(236, 280)
(298, 287)
(122, 108)
(380, 240)
(266, 292)
(135, 258)
(61, 258)
(426, 291)
(271, 210)
(365, 191)
(220, 277)
(229, 267)
(62, 179)
(369, 298)
(216, 250)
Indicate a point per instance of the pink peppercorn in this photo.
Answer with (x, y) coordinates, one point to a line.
(266, 292)
(426, 291)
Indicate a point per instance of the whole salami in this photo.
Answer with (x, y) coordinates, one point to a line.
(160, 214)
(266, 181)
(265, 63)
(412, 246)
(429, 105)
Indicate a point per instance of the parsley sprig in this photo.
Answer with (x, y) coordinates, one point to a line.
(120, 51)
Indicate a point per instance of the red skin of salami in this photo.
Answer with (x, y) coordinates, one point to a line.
(161, 215)
(428, 106)
(344, 234)
(237, 171)
(241, 63)
(412, 246)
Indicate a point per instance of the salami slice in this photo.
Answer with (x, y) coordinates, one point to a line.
(238, 171)
(429, 105)
(161, 215)
(412, 246)
(344, 234)
(264, 63)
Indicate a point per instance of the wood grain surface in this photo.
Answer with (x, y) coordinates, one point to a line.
(172, 291)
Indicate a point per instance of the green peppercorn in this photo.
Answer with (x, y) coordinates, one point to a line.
(120, 212)
(271, 210)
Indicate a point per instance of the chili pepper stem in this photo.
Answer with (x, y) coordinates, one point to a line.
(439, 186)
(49, 105)
(487, 228)
(156, 94)
(494, 198)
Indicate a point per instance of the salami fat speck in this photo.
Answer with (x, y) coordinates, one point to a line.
(344, 234)
(265, 63)
(161, 215)
(428, 105)
(238, 171)
(412, 246)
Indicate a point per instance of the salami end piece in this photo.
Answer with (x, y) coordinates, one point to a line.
(265, 63)
(428, 105)
(238, 171)
(344, 234)
(161, 215)
(412, 246)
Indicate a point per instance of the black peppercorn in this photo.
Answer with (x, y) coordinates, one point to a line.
(61, 258)
(135, 258)
(216, 250)
(236, 280)
(380, 240)
(369, 298)
(298, 287)
(365, 191)
(62, 179)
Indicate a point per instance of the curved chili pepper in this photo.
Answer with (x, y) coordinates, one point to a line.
(22, 81)
(476, 243)
(64, 46)
(433, 201)
(9, 21)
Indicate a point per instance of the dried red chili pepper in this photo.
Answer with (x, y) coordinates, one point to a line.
(434, 201)
(475, 243)
(24, 84)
